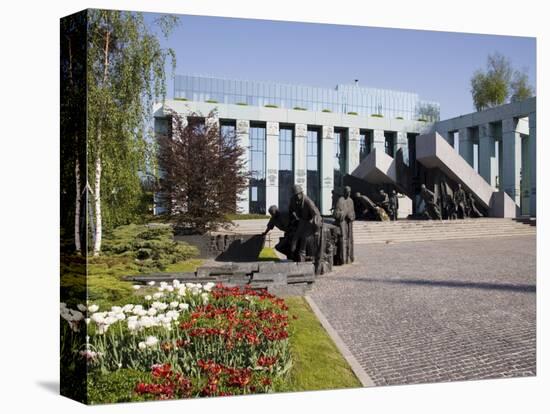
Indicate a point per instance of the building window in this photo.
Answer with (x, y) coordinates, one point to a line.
(389, 142)
(365, 143)
(312, 157)
(257, 169)
(286, 166)
(228, 133)
(228, 130)
(339, 162)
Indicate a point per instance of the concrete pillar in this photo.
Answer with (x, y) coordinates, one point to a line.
(272, 165)
(533, 164)
(379, 140)
(402, 143)
(487, 156)
(466, 145)
(352, 150)
(511, 162)
(300, 151)
(243, 139)
(327, 168)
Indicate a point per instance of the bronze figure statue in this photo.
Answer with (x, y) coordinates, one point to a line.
(344, 214)
(432, 209)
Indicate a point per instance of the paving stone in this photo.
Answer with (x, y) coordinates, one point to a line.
(436, 311)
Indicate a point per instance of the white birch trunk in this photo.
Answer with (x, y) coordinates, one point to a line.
(77, 209)
(97, 205)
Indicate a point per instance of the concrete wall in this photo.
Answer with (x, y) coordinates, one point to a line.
(514, 120)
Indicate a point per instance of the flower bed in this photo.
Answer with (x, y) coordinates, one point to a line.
(192, 340)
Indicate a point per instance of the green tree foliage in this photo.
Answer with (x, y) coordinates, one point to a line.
(498, 83)
(125, 75)
(428, 111)
(520, 87)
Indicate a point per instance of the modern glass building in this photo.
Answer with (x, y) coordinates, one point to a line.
(294, 134)
(345, 99)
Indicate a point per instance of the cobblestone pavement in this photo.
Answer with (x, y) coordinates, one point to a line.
(436, 311)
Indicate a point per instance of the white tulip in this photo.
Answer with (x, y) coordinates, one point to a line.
(151, 341)
(81, 307)
(142, 345)
(136, 287)
(148, 297)
(133, 325)
(174, 304)
(93, 308)
(151, 283)
(184, 306)
(127, 308)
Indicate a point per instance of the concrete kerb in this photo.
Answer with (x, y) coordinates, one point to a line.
(360, 373)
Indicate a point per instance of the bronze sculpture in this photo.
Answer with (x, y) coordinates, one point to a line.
(306, 218)
(460, 202)
(368, 208)
(432, 209)
(384, 201)
(393, 205)
(344, 214)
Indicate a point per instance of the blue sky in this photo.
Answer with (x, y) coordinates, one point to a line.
(436, 65)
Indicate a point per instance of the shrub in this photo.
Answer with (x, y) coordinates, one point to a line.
(352, 113)
(242, 103)
(422, 120)
(398, 117)
(271, 106)
(180, 99)
(203, 176)
(326, 110)
(211, 101)
(151, 248)
(299, 108)
(377, 115)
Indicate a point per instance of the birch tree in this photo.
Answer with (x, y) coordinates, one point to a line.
(126, 74)
(73, 126)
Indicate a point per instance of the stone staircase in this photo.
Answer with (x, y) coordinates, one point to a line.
(370, 232)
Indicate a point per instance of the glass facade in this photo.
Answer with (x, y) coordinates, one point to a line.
(365, 143)
(312, 165)
(339, 162)
(228, 130)
(341, 99)
(389, 142)
(257, 169)
(286, 166)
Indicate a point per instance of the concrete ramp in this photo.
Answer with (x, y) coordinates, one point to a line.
(433, 151)
(377, 168)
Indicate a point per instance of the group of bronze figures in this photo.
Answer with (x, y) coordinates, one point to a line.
(459, 205)
(384, 208)
(307, 237)
(327, 242)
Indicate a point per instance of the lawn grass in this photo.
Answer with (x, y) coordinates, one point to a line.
(318, 365)
(233, 217)
(268, 253)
